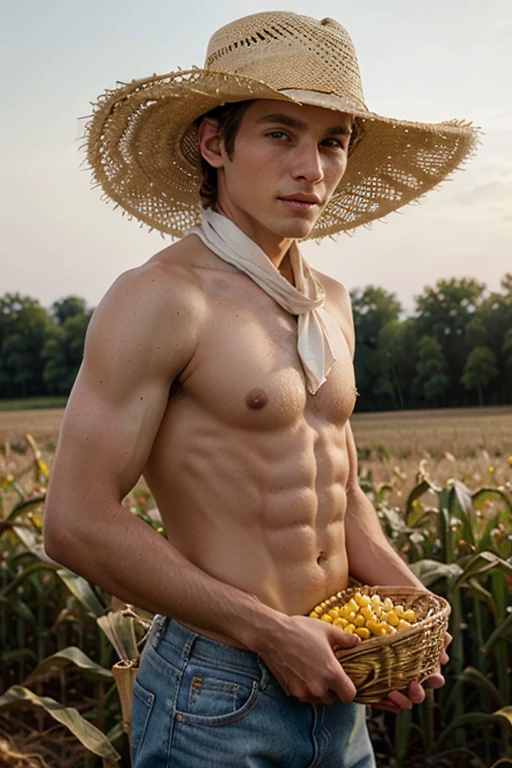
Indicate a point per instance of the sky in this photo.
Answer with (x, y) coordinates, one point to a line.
(419, 61)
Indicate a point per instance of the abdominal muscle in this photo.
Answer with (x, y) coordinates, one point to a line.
(261, 510)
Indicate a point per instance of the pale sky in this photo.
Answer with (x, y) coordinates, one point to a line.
(420, 61)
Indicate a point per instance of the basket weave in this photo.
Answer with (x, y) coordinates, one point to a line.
(383, 664)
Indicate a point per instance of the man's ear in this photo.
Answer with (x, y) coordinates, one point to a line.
(211, 144)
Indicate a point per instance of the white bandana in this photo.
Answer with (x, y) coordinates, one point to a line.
(320, 339)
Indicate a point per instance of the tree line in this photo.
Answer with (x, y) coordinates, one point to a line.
(454, 349)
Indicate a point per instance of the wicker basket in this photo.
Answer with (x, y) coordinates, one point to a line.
(380, 665)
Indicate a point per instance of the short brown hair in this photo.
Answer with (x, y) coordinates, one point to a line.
(229, 118)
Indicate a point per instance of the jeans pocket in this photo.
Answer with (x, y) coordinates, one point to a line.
(142, 706)
(215, 697)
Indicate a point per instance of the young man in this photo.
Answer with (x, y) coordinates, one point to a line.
(222, 370)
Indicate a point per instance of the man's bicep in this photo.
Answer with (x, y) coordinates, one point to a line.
(106, 437)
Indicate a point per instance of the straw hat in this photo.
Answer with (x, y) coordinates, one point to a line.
(142, 139)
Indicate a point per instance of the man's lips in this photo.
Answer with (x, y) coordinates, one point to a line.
(301, 202)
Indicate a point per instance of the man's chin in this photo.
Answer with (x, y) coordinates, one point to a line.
(297, 230)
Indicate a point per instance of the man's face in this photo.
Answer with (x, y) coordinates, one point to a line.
(287, 162)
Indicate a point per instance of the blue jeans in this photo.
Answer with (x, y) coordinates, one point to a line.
(197, 702)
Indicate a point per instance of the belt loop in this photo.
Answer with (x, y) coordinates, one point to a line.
(188, 645)
(158, 628)
(265, 674)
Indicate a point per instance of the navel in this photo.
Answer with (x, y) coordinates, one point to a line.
(321, 558)
(256, 399)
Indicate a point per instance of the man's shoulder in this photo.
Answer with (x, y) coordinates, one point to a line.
(166, 278)
(336, 293)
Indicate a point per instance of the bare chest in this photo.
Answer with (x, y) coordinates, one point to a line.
(246, 369)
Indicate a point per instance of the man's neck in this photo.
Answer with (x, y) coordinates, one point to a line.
(274, 247)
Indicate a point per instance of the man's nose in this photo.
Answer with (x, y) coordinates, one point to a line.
(308, 163)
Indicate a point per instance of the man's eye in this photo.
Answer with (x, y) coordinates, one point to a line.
(335, 143)
(277, 134)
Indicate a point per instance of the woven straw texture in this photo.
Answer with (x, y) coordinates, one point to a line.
(142, 141)
(383, 664)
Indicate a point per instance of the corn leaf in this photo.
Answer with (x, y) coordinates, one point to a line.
(33, 542)
(481, 563)
(505, 712)
(25, 506)
(504, 629)
(70, 656)
(429, 571)
(476, 678)
(93, 739)
(82, 591)
(120, 631)
(484, 496)
(415, 494)
(462, 507)
(475, 720)
(28, 571)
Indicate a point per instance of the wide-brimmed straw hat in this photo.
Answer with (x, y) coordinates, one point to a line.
(142, 137)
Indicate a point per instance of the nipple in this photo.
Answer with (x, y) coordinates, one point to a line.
(256, 399)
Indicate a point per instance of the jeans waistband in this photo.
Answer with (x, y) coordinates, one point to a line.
(186, 643)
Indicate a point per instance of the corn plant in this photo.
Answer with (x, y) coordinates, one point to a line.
(460, 545)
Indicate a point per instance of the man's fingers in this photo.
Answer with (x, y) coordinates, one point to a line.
(435, 681)
(400, 700)
(343, 639)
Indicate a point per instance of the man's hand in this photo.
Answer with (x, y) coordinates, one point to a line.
(303, 662)
(396, 701)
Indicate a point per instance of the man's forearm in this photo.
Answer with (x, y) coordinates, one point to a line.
(128, 559)
(371, 557)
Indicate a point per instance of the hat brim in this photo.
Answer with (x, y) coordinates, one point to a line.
(143, 151)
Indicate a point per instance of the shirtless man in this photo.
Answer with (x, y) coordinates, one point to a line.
(192, 377)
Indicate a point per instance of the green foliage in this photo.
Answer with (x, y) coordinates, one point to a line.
(480, 369)
(431, 379)
(40, 352)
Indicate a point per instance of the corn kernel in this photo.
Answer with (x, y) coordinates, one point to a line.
(409, 616)
(403, 624)
(334, 613)
(326, 618)
(350, 628)
(340, 623)
(359, 620)
(367, 612)
(313, 615)
(363, 633)
(372, 625)
(353, 605)
(392, 618)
